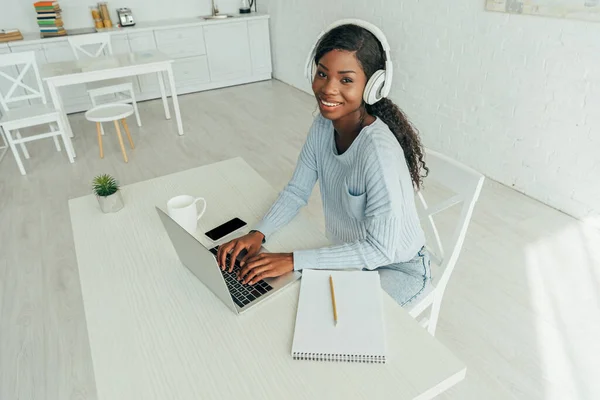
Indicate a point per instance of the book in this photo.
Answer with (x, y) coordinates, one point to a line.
(49, 23)
(359, 333)
(43, 17)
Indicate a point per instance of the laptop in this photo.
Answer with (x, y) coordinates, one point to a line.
(202, 262)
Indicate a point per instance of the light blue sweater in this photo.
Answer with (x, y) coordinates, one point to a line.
(368, 200)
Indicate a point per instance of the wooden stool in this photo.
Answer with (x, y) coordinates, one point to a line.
(112, 112)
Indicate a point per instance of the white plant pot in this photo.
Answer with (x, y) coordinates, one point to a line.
(112, 203)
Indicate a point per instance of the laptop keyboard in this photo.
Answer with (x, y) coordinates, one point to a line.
(241, 294)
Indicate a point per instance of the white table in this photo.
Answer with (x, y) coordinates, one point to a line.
(67, 73)
(157, 333)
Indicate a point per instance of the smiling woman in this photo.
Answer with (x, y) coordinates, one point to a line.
(368, 160)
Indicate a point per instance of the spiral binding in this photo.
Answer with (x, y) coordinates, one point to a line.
(339, 358)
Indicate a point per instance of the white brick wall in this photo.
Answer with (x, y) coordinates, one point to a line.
(516, 97)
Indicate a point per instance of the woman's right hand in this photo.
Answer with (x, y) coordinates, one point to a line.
(250, 242)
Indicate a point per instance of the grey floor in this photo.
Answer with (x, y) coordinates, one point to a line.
(521, 309)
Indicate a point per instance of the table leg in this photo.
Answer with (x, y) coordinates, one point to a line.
(65, 120)
(163, 94)
(174, 97)
(100, 139)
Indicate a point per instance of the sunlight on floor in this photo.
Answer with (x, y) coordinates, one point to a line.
(563, 271)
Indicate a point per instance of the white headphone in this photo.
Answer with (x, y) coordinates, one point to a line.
(380, 83)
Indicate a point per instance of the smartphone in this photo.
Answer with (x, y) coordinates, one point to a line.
(225, 229)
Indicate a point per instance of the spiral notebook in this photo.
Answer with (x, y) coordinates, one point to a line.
(359, 335)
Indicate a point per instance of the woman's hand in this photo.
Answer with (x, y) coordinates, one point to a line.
(251, 243)
(265, 265)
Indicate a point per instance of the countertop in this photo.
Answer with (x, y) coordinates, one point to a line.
(33, 38)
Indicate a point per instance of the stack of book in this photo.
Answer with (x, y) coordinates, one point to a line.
(49, 19)
(8, 35)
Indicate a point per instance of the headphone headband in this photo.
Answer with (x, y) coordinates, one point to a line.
(385, 90)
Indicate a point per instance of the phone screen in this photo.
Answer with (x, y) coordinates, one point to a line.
(225, 229)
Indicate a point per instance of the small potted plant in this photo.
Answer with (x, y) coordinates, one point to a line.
(106, 189)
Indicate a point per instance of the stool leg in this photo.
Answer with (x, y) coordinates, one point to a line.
(99, 129)
(121, 141)
(124, 122)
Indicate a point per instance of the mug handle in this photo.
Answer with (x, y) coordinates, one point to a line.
(196, 200)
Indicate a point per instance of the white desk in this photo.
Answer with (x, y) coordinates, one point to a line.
(109, 67)
(157, 333)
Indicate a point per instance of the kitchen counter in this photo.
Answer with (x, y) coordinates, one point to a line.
(34, 38)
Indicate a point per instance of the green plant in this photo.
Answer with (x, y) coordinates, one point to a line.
(104, 185)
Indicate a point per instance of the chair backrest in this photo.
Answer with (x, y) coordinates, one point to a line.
(90, 46)
(18, 90)
(465, 185)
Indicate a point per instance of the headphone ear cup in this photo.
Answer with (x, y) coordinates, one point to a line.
(372, 93)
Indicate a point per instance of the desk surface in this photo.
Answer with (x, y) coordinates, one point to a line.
(102, 63)
(157, 333)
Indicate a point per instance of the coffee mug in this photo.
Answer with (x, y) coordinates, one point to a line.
(183, 211)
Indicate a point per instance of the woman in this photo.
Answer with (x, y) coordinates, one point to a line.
(368, 160)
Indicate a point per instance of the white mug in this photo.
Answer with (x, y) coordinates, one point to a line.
(183, 211)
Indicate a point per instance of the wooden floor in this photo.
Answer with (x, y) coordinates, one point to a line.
(522, 309)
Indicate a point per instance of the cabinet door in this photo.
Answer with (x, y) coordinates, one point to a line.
(190, 71)
(143, 41)
(228, 51)
(120, 44)
(181, 42)
(73, 96)
(260, 46)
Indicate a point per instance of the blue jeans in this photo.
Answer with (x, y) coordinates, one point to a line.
(404, 282)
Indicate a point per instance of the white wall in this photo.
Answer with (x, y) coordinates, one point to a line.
(516, 97)
(76, 13)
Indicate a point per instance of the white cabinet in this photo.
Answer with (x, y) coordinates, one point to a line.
(228, 51)
(206, 55)
(260, 46)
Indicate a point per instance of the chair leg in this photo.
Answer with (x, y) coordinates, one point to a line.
(135, 108)
(15, 152)
(121, 141)
(66, 140)
(99, 129)
(124, 122)
(55, 138)
(22, 145)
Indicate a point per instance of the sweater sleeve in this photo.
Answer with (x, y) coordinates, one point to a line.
(297, 192)
(388, 224)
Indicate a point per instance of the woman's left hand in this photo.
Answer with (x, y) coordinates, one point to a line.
(266, 265)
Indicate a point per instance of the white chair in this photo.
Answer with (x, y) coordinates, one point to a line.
(114, 112)
(93, 46)
(465, 184)
(14, 119)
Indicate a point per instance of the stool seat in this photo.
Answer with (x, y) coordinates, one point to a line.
(112, 112)
(109, 112)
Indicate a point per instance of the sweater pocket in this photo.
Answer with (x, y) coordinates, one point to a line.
(355, 204)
